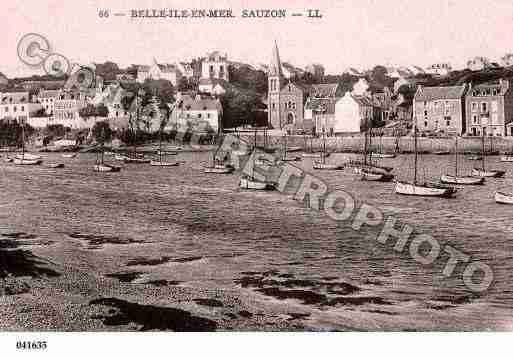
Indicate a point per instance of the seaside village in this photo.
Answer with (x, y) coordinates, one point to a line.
(213, 94)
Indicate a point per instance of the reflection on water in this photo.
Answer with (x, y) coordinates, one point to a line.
(268, 244)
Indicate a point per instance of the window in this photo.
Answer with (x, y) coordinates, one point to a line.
(22, 108)
(425, 123)
(425, 113)
(447, 120)
(273, 106)
(494, 92)
(211, 69)
(14, 109)
(221, 69)
(484, 107)
(199, 115)
(425, 103)
(474, 106)
(208, 115)
(474, 119)
(6, 109)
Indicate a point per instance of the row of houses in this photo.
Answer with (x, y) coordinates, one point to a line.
(484, 109)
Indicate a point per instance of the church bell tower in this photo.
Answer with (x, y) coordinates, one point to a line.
(275, 79)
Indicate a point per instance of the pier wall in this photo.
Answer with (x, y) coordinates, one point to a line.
(390, 144)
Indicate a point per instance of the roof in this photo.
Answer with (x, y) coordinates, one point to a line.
(275, 67)
(49, 93)
(167, 67)
(440, 93)
(324, 105)
(189, 103)
(143, 68)
(324, 90)
(14, 97)
(362, 100)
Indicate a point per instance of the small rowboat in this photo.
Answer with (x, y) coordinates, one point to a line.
(314, 155)
(479, 172)
(467, 180)
(28, 156)
(428, 189)
(251, 183)
(163, 164)
(474, 157)
(370, 175)
(26, 162)
(167, 153)
(106, 168)
(55, 165)
(120, 157)
(504, 198)
(326, 166)
(507, 158)
(219, 169)
(440, 153)
(69, 155)
(383, 155)
(136, 160)
(290, 158)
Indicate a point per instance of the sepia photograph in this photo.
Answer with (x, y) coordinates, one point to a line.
(255, 167)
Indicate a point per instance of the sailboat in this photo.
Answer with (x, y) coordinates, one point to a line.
(160, 152)
(26, 158)
(322, 165)
(309, 152)
(249, 181)
(381, 153)
(135, 157)
(427, 189)
(503, 197)
(218, 166)
(286, 157)
(482, 172)
(367, 170)
(462, 180)
(100, 166)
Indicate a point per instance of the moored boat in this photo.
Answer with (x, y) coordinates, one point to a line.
(289, 158)
(55, 165)
(105, 168)
(461, 180)
(318, 165)
(25, 162)
(163, 163)
(507, 158)
(441, 153)
(69, 155)
(474, 157)
(479, 172)
(427, 190)
(251, 183)
(503, 197)
(28, 156)
(367, 174)
(136, 160)
(382, 155)
(219, 169)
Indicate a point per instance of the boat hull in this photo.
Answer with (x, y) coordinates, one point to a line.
(313, 155)
(478, 172)
(69, 155)
(507, 159)
(56, 165)
(383, 155)
(411, 189)
(504, 198)
(326, 166)
(25, 162)
(369, 175)
(163, 164)
(136, 160)
(461, 180)
(474, 158)
(28, 156)
(441, 153)
(247, 183)
(106, 168)
(220, 169)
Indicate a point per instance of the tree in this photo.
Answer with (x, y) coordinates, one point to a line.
(108, 70)
(240, 107)
(102, 132)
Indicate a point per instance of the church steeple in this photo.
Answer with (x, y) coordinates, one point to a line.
(275, 68)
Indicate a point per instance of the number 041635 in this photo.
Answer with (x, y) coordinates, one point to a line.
(31, 345)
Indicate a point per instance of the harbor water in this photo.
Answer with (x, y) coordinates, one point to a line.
(167, 237)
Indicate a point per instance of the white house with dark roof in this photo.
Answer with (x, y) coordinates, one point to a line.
(196, 113)
(213, 87)
(14, 105)
(215, 65)
(158, 71)
(352, 112)
(440, 109)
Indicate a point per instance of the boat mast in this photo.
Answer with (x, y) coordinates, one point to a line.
(456, 156)
(22, 140)
(482, 151)
(415, 150)
(324, 147)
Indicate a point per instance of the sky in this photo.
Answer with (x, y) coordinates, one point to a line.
(351, 33)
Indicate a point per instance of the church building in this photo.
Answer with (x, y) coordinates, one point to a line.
(285, 99)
